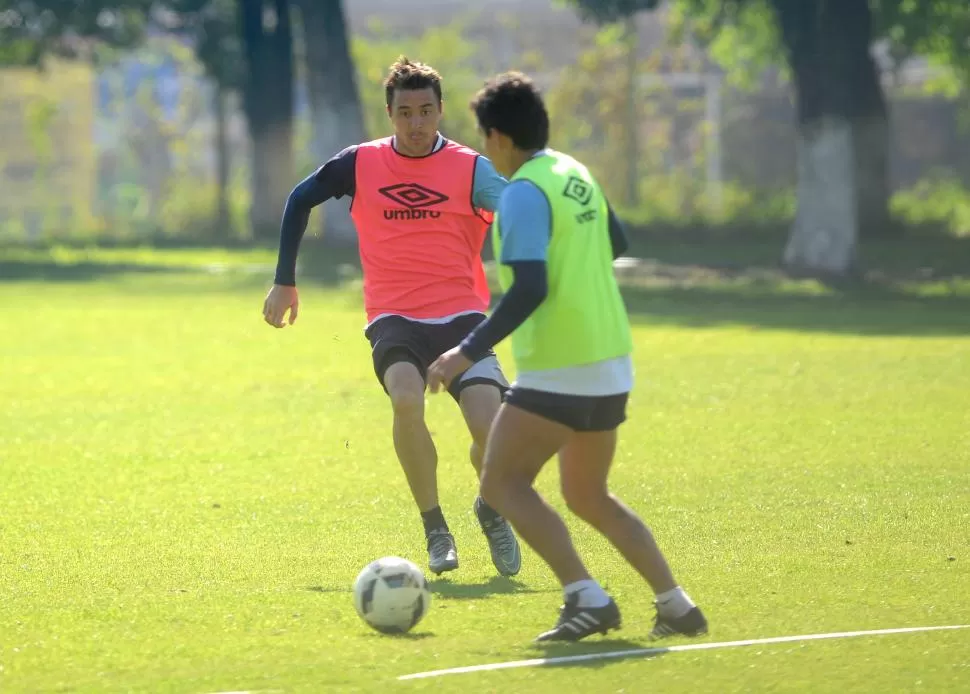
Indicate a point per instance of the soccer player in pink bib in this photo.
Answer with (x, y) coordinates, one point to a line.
(421, 205)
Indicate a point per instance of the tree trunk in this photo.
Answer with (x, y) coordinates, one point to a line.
(870, 130)
(841, 173)
(871, 149)
(223, 164)
(632, 42)
(822, 241)
(338, 120)
(268, 45)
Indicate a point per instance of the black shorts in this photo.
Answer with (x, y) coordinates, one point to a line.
(394, 339)
(578, 412)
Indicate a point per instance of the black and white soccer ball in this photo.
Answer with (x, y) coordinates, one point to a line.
(391, 594)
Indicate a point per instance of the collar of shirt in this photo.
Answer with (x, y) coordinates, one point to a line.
(439, 143)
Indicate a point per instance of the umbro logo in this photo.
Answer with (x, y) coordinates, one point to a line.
(579, 190)
(582, 192)
(415, 198)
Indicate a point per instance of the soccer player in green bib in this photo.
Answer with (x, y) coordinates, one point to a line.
(555, 238)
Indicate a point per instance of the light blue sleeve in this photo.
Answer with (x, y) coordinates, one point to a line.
(487, 185)
(525, 223)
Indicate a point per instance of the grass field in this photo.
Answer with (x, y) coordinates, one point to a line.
(186, 494)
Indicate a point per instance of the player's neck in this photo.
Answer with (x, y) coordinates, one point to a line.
(415, 153)
(519, 157)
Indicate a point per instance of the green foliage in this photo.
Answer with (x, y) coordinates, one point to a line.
(941, 203)
(607, 11)
(30, 30)
(213, 27)
(39, 115)
(588, 111)
(585, 107)
(679, 201)
(586, 101)
(741, 36)
(188, 209)
(939, 29)
(160, 183)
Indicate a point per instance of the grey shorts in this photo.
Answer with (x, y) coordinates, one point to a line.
(395, 338)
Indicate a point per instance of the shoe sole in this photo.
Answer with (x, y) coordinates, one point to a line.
(605, 631)
(689, 634)
(503, 569)
(438, 570)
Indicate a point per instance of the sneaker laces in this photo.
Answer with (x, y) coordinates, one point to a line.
(438, 541)
(498, 531)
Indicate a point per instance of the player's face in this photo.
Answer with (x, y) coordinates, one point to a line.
(498, 148)
(415, 114)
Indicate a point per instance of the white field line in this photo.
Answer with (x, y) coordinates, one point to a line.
(640, 652)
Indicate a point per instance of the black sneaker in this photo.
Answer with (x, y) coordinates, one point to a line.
(691, 624)
(442, 553)
(577, 623)
(501, 543)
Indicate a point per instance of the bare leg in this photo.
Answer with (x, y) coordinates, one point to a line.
(519, 444)
(412, 440)
(479, 405)
(584, 465)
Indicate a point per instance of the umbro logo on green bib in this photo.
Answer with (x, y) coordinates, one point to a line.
(579, 190)
(582, 192)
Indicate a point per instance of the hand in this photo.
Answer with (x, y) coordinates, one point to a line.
(446, 367)
(281, 299)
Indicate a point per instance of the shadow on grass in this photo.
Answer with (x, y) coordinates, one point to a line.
(328, 589)
(497, 585)
(596, 654)
(583, 655)
(905, 246)
(921, 284)
(319, 264)
(406, 636)
(449, 590)
(84, 271)
(861, 310)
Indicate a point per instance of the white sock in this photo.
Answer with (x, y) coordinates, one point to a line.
(674, 603)
(591, 593)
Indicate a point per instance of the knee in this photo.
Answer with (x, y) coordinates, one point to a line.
(477, 453)
(407, 402)
(589, 503)
(405, 387)
(501, 485)
(480, 404)
(492, 489)
(479, 432)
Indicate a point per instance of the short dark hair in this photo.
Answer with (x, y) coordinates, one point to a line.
(512, 104)
(412, 75)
